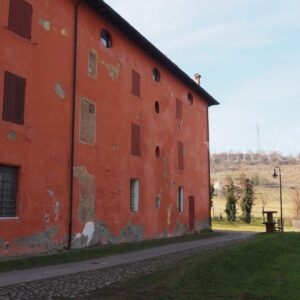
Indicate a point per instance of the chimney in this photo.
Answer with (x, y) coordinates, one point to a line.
(197, 77)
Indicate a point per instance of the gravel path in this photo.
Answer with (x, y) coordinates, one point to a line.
(79, 284)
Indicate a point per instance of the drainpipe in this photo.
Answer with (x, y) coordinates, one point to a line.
(208, 153)
(72, 158)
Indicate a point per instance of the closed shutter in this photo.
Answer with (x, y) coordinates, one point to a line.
(20, 18)
(14, 98)
(135, 139)
(136, 78)
(180, 156)
(178, 109)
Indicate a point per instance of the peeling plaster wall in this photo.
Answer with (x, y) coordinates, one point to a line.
(86, 211)
(87, 121)
(41, 239)
(41, 146)
(103, 160)
(99, 234)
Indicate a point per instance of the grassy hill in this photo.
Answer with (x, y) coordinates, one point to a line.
(259, 168)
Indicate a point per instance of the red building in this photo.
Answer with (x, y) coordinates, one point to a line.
(103, 139)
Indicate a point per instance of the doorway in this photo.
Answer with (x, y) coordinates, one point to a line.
(191, 213)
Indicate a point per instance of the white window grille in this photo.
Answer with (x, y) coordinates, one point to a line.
(134, 194)
(180, 198)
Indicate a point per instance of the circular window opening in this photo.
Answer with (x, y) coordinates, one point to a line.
(157, 106)
(156, 74)
(190, 98)
(105, 38)
(157, 152)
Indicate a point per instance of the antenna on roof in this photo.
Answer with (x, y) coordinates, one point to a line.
(258, 139)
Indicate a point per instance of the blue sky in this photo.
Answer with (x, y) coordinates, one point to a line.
(248, 53)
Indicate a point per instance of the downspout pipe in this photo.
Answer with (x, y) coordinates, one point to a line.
(209, 181)
(73, 123)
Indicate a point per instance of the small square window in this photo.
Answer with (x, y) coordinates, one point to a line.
(134, 194)
(8, 191)
(180, 198)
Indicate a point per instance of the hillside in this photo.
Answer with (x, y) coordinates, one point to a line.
(259, 168)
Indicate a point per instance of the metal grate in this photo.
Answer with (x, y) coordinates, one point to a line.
(8, 190)
(134, 194)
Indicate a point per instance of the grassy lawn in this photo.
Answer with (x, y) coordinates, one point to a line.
(266, 267)
(89, 253)
(256, 225)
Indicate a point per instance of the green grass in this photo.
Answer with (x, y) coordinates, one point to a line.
(68, 256)
(265, 267)
(255, 225)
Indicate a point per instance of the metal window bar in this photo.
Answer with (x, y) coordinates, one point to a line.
(180, 199)
(134, 194)
(8, 191)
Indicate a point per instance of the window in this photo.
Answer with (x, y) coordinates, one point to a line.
(180, 156)
(105, 38)
(135, 139)
(190, 98)
(8, 191)
(136, 78)
(178, 110)
(180, 198)
(157, 152)
(156, 74)
(20, 18)
(134, 194)
(156, 106)
(13, 98)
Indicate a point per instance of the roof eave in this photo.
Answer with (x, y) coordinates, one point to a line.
(119, 22)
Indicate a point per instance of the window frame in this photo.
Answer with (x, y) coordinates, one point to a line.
(14, 94)
(20, 18)
(156, 75)
(106, 38)
(135, 140)
(14, 192)
(180, 199)
(134, 194)
(135, 83)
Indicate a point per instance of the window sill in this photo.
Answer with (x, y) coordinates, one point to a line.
(8, 218)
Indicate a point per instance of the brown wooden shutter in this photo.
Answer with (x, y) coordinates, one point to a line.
(180, 156)
(136, 78)
(178, 109)
(20, 18)
(13, 98)
(135, 139)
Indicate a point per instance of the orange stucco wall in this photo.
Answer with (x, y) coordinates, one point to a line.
(102, 169)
